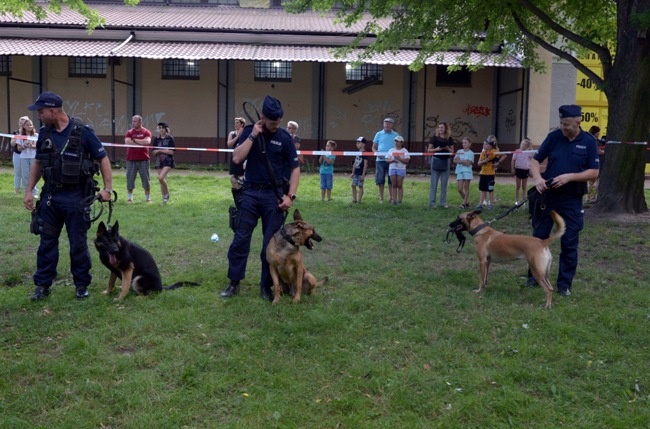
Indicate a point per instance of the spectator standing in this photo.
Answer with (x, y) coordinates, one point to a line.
(488, 161)
(520, 165)
(464, 161)
(383, 142)
(441, 145)
(359, 170)
(327, 171)
(592, 185)
(164, 154)
(236, 170)
(266, 196)
(67, 184)
(15, 149)
(397, 158)
(137, 158)
(27, 153)
(292, 127)
(572, 156)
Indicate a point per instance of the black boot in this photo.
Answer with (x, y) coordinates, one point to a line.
(41, 292)
(231, 290)
(266, 294)
(82, 292)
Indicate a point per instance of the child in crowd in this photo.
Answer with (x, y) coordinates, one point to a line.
(520, 165)
(359, 169)
(397, 158)
(488, 161)
(327, 171)
(464, 161)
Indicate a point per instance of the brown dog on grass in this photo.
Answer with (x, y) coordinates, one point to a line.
(494, 246)
(285, 259)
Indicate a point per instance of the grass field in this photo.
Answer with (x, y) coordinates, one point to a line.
(396, 339)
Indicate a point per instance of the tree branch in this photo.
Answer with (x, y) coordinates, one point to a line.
(602, 51)
(559, 52)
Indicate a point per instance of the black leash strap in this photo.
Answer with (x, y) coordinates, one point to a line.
(518, 204)
(90, 200)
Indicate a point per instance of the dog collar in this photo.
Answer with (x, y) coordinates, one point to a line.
(287, 237)
(478, 228)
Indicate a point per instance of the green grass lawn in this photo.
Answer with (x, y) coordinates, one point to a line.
(396, 339)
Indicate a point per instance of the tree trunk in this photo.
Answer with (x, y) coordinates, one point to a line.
(622, 175)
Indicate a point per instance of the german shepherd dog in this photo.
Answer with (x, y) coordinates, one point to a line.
(131, 263)
(494, 246)
(285, 259)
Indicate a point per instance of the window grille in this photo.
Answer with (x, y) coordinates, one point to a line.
(363, 72)
(5, 65)
(87, 67)
(277, 71)
(181, 69)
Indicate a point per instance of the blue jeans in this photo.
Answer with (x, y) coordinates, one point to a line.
(255, 204)
(56, 210)
(443, 177)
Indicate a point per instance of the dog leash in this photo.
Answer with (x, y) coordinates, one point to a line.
(518, 204)
(89, 202)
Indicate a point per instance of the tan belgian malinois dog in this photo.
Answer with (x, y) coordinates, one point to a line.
(494, 246)
(285, 259)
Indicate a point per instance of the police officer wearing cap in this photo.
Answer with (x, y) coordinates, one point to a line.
(66, 155)
(265, 196)
(572, 161)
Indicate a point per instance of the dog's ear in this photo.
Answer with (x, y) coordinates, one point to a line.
(101, 229)
(115, 229)
(475, 213)
(296, 215)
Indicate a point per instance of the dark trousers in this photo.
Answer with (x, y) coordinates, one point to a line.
(56, 210)
(255, 204)
(570, 208)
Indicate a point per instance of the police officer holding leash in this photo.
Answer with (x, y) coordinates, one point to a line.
(270, 185)
(67, 152)
(572, 161)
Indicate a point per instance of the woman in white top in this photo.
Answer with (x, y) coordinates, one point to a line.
(27, 148)
(397, 158)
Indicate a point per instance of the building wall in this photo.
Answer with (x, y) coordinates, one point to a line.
(197, 119)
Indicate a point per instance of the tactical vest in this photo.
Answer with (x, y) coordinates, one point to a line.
(69, 167)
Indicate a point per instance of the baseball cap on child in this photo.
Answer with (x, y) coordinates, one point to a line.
(361, 139)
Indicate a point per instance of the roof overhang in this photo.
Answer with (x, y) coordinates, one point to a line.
(231, 51)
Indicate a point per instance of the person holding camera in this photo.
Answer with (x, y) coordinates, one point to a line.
(67, 153)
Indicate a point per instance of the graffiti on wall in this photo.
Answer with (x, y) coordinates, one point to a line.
(98, 116)
(510, 121)
(458, 127)
(477, 111)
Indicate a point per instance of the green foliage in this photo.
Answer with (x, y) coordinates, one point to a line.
(513, 27)
(397, 338)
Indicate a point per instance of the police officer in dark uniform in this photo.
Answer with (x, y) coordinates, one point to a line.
(572, 161)
(67, 152)
(266, 196)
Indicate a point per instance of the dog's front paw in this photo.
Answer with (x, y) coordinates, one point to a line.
(106, 292)
(478, 290)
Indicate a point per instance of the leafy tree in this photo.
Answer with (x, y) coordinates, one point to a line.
(39, 9)
(616, 31)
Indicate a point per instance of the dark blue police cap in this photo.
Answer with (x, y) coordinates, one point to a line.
(570, 111)
(46, 99)
(272, 108)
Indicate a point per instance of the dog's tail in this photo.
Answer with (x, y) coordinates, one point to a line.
(560, 227)
(180, 284)
(322, 281)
